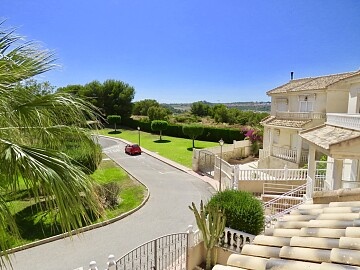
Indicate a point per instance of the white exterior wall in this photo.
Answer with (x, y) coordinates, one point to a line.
(337, 101)
(354, 99)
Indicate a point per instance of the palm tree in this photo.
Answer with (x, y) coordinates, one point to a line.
(32, 130)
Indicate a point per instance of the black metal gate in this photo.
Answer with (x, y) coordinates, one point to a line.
(168, 252)
(206, 162)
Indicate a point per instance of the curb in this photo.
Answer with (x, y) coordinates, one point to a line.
(86, 228)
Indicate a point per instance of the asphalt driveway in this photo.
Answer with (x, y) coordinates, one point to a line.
(171, 192)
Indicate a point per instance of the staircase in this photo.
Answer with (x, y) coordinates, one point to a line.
(312, 237)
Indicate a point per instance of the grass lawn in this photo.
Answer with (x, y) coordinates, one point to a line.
(173, 148)
(35, 224)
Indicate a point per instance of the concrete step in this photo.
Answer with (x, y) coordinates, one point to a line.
(307, 211)
(305, 254)
(267, 240)
(313, 206)
(345, 256)
(333, 266)
(291, 224)
(281, 264)
(260, 251)
(335, 224)
(314, 242)
(282, 232)
(349, 243)
(342, 209)
(247, 262)
(341, 204)
(352, 232)
(322, 232)
(339, 216)
(298, 217)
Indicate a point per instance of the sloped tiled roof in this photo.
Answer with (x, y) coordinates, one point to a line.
(312, 83)
(274, 121)
(326, 135)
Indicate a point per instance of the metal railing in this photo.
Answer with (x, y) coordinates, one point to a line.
(285, 203)
(166, 252)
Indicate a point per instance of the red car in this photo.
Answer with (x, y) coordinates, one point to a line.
(133, 149)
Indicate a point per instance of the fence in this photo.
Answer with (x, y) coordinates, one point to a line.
(170, 252)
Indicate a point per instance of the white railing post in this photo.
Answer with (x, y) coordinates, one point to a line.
(111, 264)
(236, 177)
(93, 265)
(190, 232)
(286, 172)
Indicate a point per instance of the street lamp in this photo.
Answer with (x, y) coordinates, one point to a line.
(221, 142)
(138, 128)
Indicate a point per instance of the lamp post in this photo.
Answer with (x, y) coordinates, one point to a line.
(221, 142)
(138, 128)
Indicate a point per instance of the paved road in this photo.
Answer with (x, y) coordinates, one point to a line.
(171, 191)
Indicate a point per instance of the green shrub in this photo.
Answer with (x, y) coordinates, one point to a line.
(109, 194)
(88, 157)
(243, 211)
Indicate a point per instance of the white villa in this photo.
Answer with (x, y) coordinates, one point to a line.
(311, 117)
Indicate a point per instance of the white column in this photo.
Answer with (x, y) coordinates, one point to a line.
(337, 173)
(311, 171)
(298, 149)
(271, 133)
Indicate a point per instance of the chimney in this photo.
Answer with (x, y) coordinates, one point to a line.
(291, 75)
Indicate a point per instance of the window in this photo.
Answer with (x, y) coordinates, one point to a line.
(306, 103)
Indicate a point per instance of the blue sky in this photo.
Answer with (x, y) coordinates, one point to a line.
(191, 50)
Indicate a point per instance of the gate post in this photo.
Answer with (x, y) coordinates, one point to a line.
(111, 262)
(236, 177)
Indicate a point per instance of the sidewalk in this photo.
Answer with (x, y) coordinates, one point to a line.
(205, 178)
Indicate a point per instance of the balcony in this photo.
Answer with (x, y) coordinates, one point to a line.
(300, 115)
(285, 154)
(344, 120)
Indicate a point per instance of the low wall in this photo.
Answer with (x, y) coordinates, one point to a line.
(238, 149)
(256, 186)
(197, 255)
(339, 195)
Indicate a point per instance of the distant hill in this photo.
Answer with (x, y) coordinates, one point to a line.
(244, 106)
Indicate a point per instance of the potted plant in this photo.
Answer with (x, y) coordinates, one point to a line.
(211, 222)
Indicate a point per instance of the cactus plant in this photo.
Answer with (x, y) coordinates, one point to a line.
(211, 222)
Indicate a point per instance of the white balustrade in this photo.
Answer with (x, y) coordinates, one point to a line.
(273, 174)
(301, 115)
(234, 240)
(283, 153)
(344, 120)
(263, 153)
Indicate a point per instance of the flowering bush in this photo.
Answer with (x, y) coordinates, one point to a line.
(255, 136)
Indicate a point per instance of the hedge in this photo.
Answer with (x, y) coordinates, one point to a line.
(210, 134)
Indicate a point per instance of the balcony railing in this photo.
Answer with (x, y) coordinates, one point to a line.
(286, 154)
(301, 115)
(273, 174)
(345, 120)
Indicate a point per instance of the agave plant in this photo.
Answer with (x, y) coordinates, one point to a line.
(32, 130)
